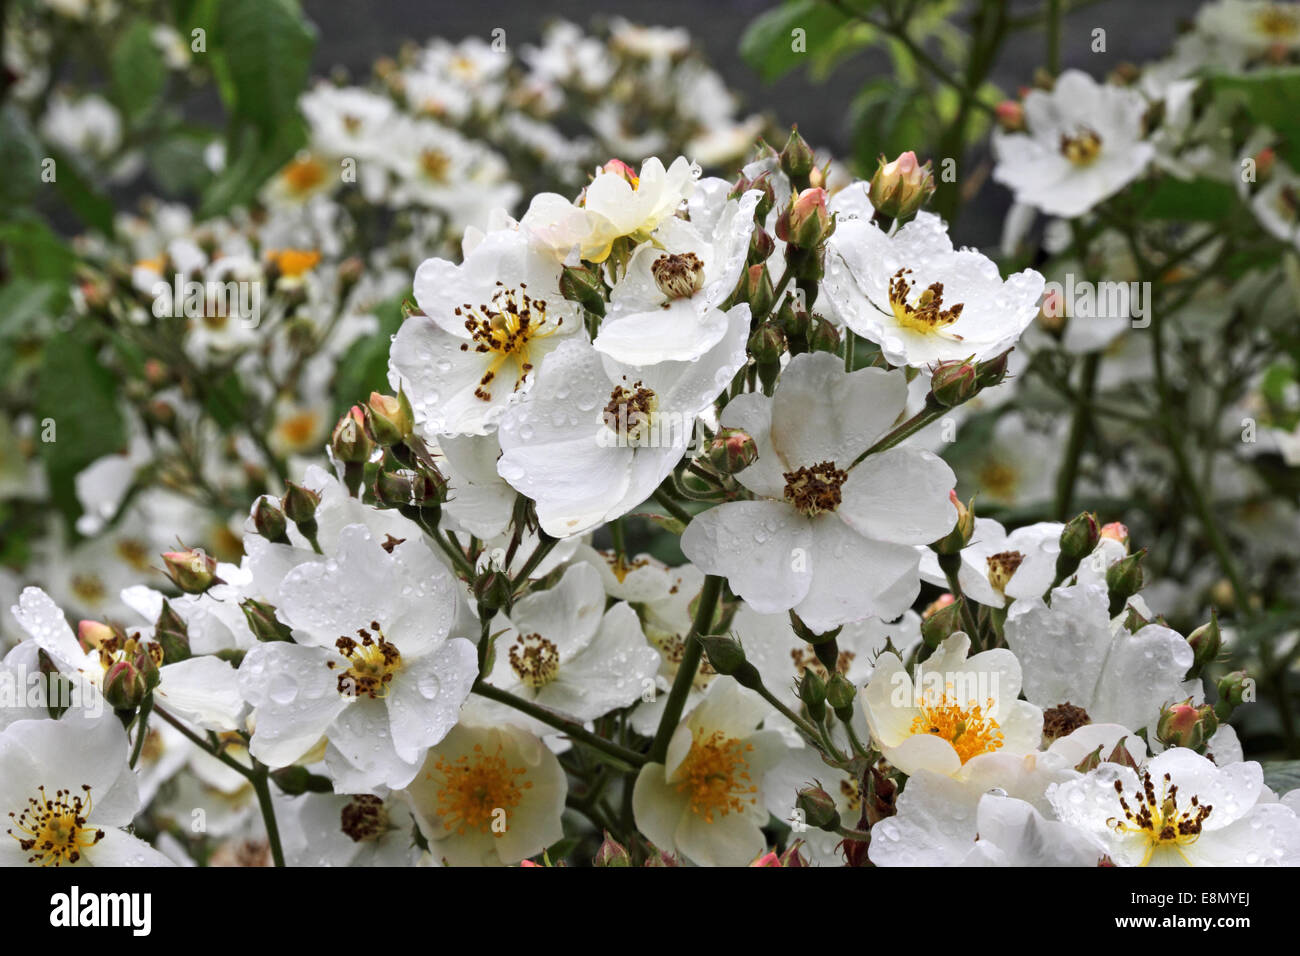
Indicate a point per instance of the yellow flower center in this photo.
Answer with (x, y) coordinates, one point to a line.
(1158, 818)
(671, 648)
(999, 479)
(476, 787)
(294, 263)
(968, 728)
(715, 775)
(89, 588)
(435, 164)
(134, 552)
(1083, 148)
(54, 830)
(504, 329)
(372, 662)
(926, 313)
(1277, 23)
(303, 174)
(1001, 567)
(299, 429)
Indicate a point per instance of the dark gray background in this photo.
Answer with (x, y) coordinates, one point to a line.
(353, 35)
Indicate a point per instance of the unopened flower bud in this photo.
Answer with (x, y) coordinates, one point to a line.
(622, 170)
(583, 286)
(1010, 116)
(942, 623)
(191, 570)
(492, 589)
(124, 686)
(727, 657)
(818, 808)
(269, 520)
(994, 371)
(761, 246)
(764, 185)
(1124, 579)
(1080, 536)
(956, 539)
(823, 336)
(793, 855)
(758, 289)
(797, 159)
(1234, 689)
(612, 853)
(1205, 642)
(953, 382)
(1182, 725)
(1264, 161)
(93, 634)
(1116, 532)
(767, 343)
(349, 441)
(389, 418)
(839, 695)
(299, 503)
(900, 188)
(263, 623)
(731, 451)
(812, 691)
(809, 222)
(172, 635)
(295, 780)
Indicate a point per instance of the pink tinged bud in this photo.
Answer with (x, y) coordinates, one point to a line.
(1116, 532)
(1182, 725)
(349, 441)
(1264, 161)
(622, 170)
(612, 853)
(732, 450)
(952, 383)
(390, 418)
(767, 859)
(124, 686)
(92, 634)
(1011, 116)
(899, 189)
(810, 221)
(192, 571)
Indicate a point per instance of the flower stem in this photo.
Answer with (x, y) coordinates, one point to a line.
(141, 729)
(692, 650)
(571, 728)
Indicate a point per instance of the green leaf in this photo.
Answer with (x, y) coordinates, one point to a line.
(364, 369)
(1271, 97)
(250, 164)
(22, 302)
(32, 250)
(77, 187)
(771, 46)
(79, 395)
(1198, 200)
(20, 157)
(1281, 775)
(138, 71)
(265, 47)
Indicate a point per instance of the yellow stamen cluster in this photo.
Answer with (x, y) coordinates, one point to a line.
(54, 830)
(671, 648)
(816, 489)
(294, 263)
(1158, 818)
(968, 728)
(535, 660)
(1082, 148)
(475, 786)
(435, 164)
(1277, 22)
(927, 314)
(372, 663)
(999, 479)
(504, 328)
(805, 657)
(715, 775)
(304, 174)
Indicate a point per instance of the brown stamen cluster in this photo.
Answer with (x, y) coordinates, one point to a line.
(1160, 817)
(364, 818)
(630, 410)
(816, 489)
(679, 276)
(1064, 720)
(372, 663)
(1001, 567)
(535, 660)
(504, 327)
